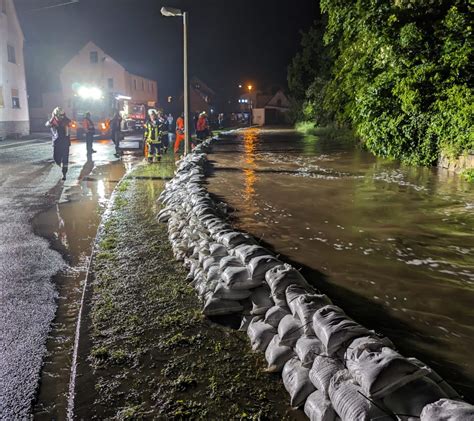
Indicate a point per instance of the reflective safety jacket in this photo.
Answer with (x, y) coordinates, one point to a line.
(155, 130)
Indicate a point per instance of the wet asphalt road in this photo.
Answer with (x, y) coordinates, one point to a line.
(30, 182)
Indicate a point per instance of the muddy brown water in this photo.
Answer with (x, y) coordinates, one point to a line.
(391, 244)
(71, 227)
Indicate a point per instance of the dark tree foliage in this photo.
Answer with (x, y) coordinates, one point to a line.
(401, 75)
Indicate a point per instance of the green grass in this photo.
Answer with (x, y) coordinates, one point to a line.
(468, 175)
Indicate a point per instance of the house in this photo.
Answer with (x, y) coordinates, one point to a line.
(95, 73)
(14, 116)
(266, 108)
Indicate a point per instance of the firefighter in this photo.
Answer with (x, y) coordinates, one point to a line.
(59, 126)
(155, 130)
(89, 129)
(179, 132)
(115, 130)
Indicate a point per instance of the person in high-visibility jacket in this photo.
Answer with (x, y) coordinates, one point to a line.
(155, 130)
(179, 132)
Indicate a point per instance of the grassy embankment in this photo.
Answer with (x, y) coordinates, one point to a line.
(153, 354)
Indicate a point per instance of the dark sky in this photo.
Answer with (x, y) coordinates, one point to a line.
(230, 41)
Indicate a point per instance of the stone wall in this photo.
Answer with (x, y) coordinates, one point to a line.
(13, 129)
(464, 162)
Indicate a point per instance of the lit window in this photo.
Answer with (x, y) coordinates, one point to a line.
(2, 103)
(110, 83)
(94, 56)
(15, 99)
(11, 54)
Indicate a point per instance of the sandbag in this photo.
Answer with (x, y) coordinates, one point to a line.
(261, 301)
(274, 315)
(233, 239)
(332, 326)
(296, 381)
(221, 291)
(210, 261)
(247, 252)
(319, 408)
(447, 410)
(304, 306)
(213, 274)
(229, 261)
(244, 324)
(218, 250)
(218, 307)
(280, 277)
(322, 371)
(260, 334)
(307, 348)
(349, 403)
(413, 397)
(382, 371)
(238, 278)
(259, 265)
(289, 330)
(277, 355)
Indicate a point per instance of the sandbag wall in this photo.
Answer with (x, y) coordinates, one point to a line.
(331, 366)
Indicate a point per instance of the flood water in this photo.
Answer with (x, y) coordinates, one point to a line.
(71, 226)
(391, 244)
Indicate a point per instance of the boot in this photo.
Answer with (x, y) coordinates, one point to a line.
(64, 173)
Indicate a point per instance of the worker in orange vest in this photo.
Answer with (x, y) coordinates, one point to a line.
(179, 132)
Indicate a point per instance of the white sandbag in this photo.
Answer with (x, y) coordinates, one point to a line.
(372, 343)
(238, 278)
(280, 277)
(413, 397)
(448, 410)
(296, 382)
(322, 371)
(246, 252)
(261, 301)
(275, 314)
(218, 250)
(277, 355)
(382, 371)
(221, 291)
(450, 392)
(233, 239)
(319, 408)
(244, 324)
(349, 403)
(210, 261)
(260, 334)
(203, 287)
(259, 265)
(304, 306)
(307, 348)
(218, 307)
(289, 330)
(334, 328)
(213, 274)
(229, 261)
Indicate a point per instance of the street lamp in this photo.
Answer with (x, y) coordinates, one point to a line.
(172, 12)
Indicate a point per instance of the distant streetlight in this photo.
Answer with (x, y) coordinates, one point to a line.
(249, 87)
(240, 86)
(172, 12)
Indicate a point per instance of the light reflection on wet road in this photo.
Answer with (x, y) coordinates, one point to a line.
(69, 214)
(392, 244)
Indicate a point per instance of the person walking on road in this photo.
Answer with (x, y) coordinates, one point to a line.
(89, 129)
(115, 128)
(179, 132)
(59, 126)
(155, 130)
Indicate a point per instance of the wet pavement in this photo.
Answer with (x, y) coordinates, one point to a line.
(46, 228)
(391, 244)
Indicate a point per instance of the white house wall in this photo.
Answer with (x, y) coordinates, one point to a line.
(13, 121)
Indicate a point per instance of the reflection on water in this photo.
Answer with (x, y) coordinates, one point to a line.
(390, 243)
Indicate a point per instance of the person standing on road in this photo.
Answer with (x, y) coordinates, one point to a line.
(89, 129)
(202, 127)
(179, 132)
(163, 124)
(59, 126)
(154, 132)
(170, 120)
(115, 129)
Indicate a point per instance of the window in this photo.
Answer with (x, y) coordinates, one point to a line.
(143, 85)
(15, 99)
(2, 103)
(11, 54)
(94, 56)
(135, 84)
(110, 83)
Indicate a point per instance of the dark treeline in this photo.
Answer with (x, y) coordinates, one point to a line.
(398, 71)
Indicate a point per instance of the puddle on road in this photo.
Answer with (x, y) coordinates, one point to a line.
(71, 227)
(391, 244)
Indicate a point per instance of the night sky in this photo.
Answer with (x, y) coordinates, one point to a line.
(231, 42)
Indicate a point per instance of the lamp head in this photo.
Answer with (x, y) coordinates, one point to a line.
(171, 11)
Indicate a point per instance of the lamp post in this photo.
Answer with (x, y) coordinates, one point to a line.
(170, 11)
